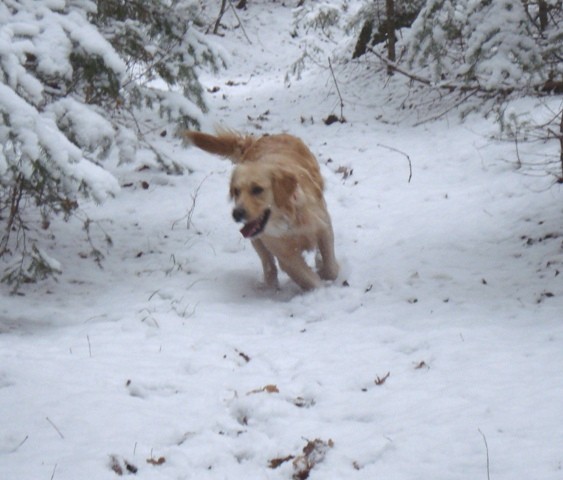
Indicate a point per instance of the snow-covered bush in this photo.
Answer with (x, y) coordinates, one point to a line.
(77, 80)
(318, 25)
(487, 44)
(160, 42)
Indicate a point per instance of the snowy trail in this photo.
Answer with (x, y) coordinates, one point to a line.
(172, 353)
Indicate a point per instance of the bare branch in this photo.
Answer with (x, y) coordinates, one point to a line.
(402, 153)
(342, 119)
(487, 450)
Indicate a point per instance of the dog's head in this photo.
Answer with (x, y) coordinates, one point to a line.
(262, 195)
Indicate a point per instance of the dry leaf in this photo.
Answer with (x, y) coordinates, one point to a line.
(130, 467)
(156, 461)
(243, 355)
(267, 389)
(304, 402)
(115, 466)
(381, 381)
(313, 453)
(276, 462)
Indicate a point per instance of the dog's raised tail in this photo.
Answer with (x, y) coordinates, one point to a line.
(227, 144)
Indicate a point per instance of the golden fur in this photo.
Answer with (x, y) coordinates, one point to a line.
(277, 189)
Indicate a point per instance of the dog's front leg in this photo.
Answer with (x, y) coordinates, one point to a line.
(268, 263)
(298, 270)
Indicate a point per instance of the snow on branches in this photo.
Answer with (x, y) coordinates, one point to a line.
(78, 81)
(489, 44)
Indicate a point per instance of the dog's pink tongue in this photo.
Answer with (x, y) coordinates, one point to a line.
(248, 229)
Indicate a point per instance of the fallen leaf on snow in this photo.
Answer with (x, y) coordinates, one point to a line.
(304, 402)
(381, 381)
(156, 461)
(243, 355)
(313, 453)
(117, 467)
(267, 389)
(276, 462)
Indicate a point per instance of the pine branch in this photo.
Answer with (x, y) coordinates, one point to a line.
(443, 86)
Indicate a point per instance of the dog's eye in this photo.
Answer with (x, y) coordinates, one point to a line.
(256, 190)
(236, 192)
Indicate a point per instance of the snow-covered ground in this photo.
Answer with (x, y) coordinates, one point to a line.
(437, 354)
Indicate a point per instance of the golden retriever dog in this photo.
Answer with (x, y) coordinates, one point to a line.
(277, 190)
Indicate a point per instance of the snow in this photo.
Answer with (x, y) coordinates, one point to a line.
(92, 41)
(171, 351)
(52, 49)
(88, 128)
(65, 157)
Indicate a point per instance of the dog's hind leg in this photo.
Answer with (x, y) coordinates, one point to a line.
(268, 263)
(328, 266)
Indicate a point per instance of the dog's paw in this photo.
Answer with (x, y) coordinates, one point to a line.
(328, 272)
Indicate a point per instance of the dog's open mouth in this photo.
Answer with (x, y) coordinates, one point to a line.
(253, 228)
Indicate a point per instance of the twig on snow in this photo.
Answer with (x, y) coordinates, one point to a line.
(402, 153)
(381, 381)
(519, 163)
(240, 23)
(191, 210)
(341, 119)
(20, 444)
(55, 427)
(487, 450)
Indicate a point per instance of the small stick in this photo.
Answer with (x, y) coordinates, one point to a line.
(487, 450)
(20, 444)
(54, 470)
(342, 119)
(519, 164)
(240, 23)
(381, 381)
(55, 427)
(561, 143)
(402, 153)
(89, 345)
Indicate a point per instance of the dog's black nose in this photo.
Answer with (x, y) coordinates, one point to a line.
(239, 214)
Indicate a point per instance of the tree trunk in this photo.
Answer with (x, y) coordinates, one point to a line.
(391, 55)
(542, 4)
(221, 13)
(561, 146)
(363, 39)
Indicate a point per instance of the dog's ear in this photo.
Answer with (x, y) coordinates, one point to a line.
(284, 185)
(232, 186)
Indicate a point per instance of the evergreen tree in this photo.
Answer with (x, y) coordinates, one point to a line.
(160, 43)
(378, 20)
(488, 44)
(546, 17)
(77, 79)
